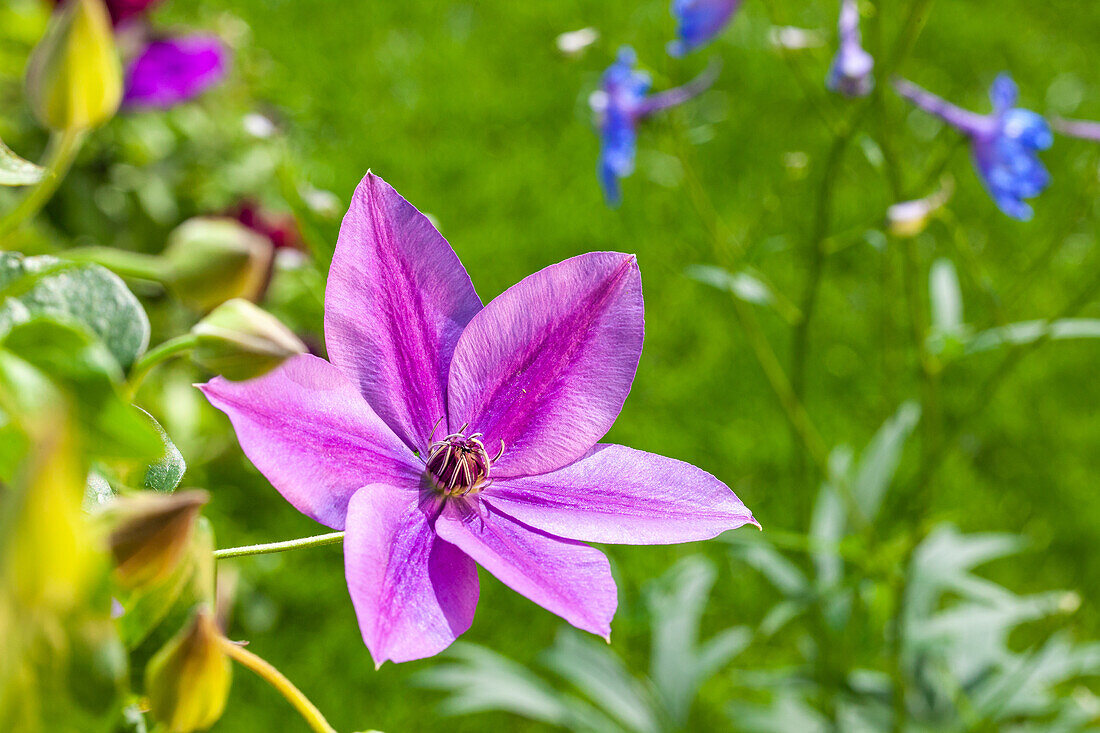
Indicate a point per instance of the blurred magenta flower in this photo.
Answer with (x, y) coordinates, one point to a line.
(850, 73)
(698, 21)
(281, 229)
(174, 70)
(621, 101)
(122, 11)
(444, 433)
(1004, 143)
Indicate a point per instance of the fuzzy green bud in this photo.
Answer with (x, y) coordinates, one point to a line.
(239, 340)
(74, 78)
(188, 680)
(210, 260)
(150, 533)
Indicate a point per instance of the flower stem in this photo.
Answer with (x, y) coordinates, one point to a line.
(278, 680)
(157, 355)
(62, 150)
(332, 538)
(122, 262)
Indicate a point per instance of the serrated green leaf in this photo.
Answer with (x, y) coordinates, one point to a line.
(14, 171)
(83, 293)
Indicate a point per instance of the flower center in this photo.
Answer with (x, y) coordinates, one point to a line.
(459, 465)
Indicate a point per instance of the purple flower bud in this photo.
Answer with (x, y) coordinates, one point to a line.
(175, 70)
(698, 21)
(1004, 144)
(850, 73)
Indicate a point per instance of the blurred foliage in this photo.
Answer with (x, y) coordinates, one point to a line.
(853, 611)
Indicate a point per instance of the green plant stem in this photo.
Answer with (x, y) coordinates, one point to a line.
(320, 540)
(816, 248)
(122, 262)
(155, 356)
(282, 685)
(59, 157)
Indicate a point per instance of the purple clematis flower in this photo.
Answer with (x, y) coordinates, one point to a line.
(445, 435)
(850, 73)
(698, 21)
(623, 100)
(174, 70)
(1004, 143)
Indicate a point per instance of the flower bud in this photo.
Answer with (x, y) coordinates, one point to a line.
(909, 218)
(212, 259)
(150, 534)
(188, 680)
(239, 340)
(74, 79)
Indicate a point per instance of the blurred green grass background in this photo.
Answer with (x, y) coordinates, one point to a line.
(468, 109)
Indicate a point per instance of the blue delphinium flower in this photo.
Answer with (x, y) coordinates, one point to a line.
(1004, 143)
(698, 21)
(621, 101)
(850, 73)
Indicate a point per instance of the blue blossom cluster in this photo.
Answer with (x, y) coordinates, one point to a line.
(1004, 143)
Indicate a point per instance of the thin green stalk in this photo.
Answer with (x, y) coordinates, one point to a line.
(158, 355)
(819, 231)
(60, 154)
(332, 538)
(122, 262)
(282, 685)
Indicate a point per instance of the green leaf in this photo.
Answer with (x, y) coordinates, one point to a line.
(77, 361)
(82, 293)
(165, 473)
(745, 286)
(14, 171)
(477, 679)
(880, 459)
(946, 297)
(1026, 332)
(591, 666)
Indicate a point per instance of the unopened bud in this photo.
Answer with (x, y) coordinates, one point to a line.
(150, 534)
(188, 680)
(212, 259)
(239, 340)
(909, 218)
(74, 79)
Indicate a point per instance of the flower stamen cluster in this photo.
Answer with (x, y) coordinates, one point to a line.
(459, 465)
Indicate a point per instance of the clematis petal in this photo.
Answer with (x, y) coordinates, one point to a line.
(174, 70)
(568, 578)
(397, 301)
(546, 367)
(413, 592)
(619, 495)
(314, 437)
